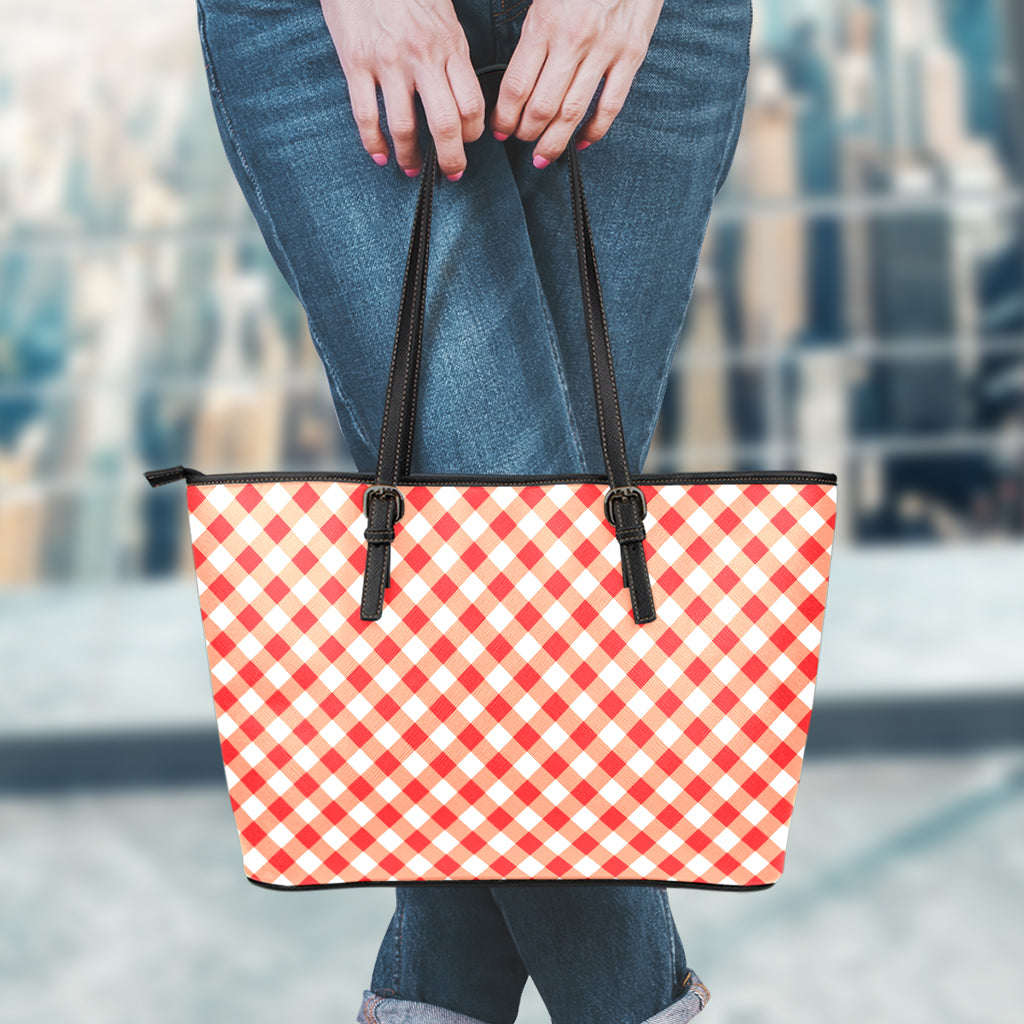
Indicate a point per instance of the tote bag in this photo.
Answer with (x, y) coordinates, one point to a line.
(485, 679)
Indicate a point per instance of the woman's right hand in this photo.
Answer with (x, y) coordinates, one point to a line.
(408, 46)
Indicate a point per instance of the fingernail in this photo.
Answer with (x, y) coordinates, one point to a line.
(582, 145)
(455, 177)
(380, 159)
(539, 161)
(412, 172)
(500, 136)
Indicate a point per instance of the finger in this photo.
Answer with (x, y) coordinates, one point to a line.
(362, 92)
(517, 83)
(618, 80)
(401, 114)
(577, 98)
(444, 122)
(545, 101)
(469, 96)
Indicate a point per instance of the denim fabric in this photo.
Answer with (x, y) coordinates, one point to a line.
(595, 951)
(377, 1009)
(506, 384)
(505, 388)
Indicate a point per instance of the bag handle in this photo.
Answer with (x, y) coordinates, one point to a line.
(624, 504)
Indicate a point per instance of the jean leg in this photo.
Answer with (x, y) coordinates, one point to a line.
(449, 947)
(649, 184)
(598, 952)
(602, 952)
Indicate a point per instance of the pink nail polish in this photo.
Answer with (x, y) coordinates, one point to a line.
(412, 172)
(455, 177)
(380, 159)
(500, 136)
(582, 145)
(539, 161)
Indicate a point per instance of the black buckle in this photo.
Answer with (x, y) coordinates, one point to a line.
(383, 489)
(618, 493)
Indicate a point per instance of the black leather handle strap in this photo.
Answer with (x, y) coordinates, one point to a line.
(395, 453)
(624, 503)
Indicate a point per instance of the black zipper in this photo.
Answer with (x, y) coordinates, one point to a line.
(780, 476)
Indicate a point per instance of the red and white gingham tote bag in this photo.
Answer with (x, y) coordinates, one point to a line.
(486, 679)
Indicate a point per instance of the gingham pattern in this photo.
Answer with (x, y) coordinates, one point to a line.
(506, 718)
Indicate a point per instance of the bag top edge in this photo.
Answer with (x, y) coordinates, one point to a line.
(195, 478)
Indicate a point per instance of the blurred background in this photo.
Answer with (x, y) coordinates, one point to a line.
(859, 310)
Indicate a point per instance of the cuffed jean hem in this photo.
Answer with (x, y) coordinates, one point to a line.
(377, 1009)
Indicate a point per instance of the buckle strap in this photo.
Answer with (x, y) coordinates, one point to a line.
(383, 506)
(628, 533)
(626, 507)
(383, 491)
(614, 494)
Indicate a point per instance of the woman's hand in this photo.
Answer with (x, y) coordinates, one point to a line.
(408, 46)
(565, 48)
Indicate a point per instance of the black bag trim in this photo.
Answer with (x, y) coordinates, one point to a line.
(769, 476)
(660, 883)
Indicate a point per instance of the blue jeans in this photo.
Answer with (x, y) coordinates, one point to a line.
(505, 388)
(596, 951)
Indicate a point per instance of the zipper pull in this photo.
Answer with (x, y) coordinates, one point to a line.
(157, 477)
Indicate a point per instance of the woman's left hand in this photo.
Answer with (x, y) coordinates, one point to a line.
(564, 50)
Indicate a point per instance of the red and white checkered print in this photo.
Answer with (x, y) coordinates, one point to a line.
(506, 718)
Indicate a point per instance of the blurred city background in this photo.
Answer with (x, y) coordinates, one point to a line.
(859, 310)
